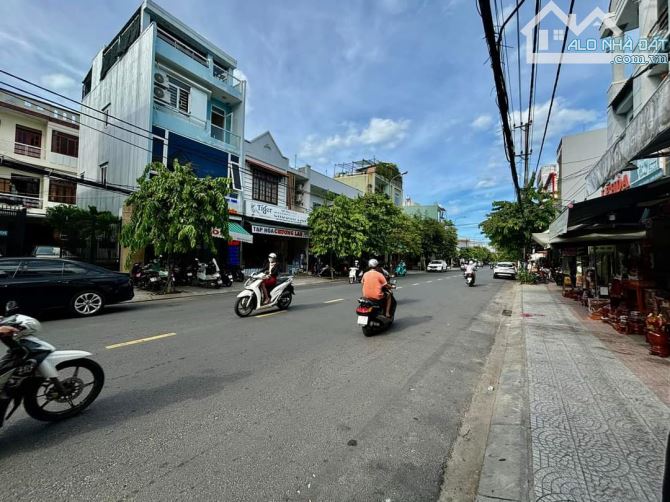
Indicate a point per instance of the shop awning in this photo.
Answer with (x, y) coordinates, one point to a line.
(601, 237)
(236, 233)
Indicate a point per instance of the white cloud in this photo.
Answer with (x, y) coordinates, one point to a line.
(486, 183)
(482, 122)
(379, 132)
(237, 73)
(59, 82)
(564, 119)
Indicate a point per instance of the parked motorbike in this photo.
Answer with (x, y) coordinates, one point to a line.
(250, 298)
(209, 275)
(238, 275)
(52, 384)
(137, 275)
(469, 278)
(371, 316)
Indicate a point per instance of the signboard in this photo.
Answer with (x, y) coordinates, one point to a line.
(233, 203)
(275, 213)
(4, 233)
(620, 184)
(280, 232)
(648, 170)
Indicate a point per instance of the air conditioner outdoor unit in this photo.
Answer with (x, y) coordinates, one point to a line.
(161, 87)
(160, 79)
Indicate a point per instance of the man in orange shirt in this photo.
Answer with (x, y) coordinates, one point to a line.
(375, 286)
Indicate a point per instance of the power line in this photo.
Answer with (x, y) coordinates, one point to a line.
(553, 92)
(531, 95)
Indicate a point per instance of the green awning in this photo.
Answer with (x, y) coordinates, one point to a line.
(236, 233)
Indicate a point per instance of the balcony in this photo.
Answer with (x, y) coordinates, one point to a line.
(28, 150)
(31, 201)
(227, 78)
(231, 139)
(660, 29)
(182, 47)
(44, 109)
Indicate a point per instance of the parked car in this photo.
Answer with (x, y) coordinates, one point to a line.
(40, 284)
(504, 269)
(437, 266)
(51, 252)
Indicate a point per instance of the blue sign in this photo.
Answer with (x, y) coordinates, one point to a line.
(648, 170)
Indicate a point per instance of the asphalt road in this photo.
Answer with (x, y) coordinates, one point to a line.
(293, 406)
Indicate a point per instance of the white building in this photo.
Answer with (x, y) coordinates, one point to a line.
(576, 155)
(39, 144)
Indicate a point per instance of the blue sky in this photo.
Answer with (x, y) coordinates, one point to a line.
(406, 81)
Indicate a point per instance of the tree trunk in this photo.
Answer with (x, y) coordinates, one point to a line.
(169, 283)
(331, 267)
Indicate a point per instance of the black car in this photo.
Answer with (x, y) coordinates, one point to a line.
(39, 284)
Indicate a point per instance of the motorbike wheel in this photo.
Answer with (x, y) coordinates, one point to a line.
(369, 330)
(43, 393)
(245, 306)
(216, 285)
(284, 301)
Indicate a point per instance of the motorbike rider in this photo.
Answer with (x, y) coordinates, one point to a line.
(470, 268)
(272, 271)
(375, 286)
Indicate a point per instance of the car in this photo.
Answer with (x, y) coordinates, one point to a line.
(437, 266)
(504, 269)
(40, 284)
(51, 252)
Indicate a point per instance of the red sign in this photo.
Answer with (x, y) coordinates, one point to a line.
(620, 184)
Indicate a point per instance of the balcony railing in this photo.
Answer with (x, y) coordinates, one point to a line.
(34, 106)
(227, 77)
(28, 150)
(225, 136)
(182, 47)
(28, 201)
(660, 28)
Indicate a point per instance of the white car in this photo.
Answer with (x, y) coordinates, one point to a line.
(504, 269)
(437, 266)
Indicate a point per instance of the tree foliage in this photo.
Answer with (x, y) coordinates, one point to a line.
(173, 211)
(510, 227)
(477, 253)
(383, 218)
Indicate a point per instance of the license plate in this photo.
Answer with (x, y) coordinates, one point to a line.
(362, 320)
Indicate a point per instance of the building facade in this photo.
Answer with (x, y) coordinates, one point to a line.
(39, 145)
(547, 180)
(159, 92)
(373, 176)
(576, 154)
(434, 211)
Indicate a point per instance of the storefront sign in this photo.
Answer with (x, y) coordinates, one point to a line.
(275, 213)
(620, 184)
(4, 233)
(280, 232)
(233, 203)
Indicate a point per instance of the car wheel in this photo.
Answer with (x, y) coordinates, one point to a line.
(495, 276)
(87, 303)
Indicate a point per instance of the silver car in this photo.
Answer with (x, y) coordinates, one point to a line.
(437, 266)
(504, 269)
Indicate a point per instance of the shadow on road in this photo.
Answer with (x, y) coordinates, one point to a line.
(28, 434)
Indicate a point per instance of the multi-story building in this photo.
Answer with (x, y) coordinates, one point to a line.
(39, 144)
(314, 189)
(638, 100)
(435, 211)
(576, 155)
(159, 92)
(373, 176)
(547, 180)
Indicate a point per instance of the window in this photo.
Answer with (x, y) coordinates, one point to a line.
(27, 188)
(65, 144)
(179, 94)
(28, 142)
(265, 187)
(102, 173)
(62, 191)
(40, 268)
(234, 172)
(74, 269)
(105, 113)
(8, 267)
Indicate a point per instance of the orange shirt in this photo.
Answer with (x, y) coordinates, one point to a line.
(373, 284)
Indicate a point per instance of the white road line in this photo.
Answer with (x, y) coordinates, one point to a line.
(139, 340)
(428, 282)
(271, 313)
(335, 301)
(415, 284)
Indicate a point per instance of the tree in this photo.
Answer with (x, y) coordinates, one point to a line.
(510, 227)
(451, 241)
(337, 229)
(173, 211)
(406, 236)
(383, 218)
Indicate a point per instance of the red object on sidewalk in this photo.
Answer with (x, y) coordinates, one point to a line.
(660, 344)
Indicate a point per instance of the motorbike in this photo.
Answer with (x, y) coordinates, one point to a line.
(52, 384)
(137, 275)
(469, 278)
(401, 269)
(250, 298)
(354, 274)
(370, 314)
(209, 275)
(238, 275)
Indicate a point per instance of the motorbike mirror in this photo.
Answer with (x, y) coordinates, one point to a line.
(11, 308)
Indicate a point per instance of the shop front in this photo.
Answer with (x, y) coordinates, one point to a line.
(275, 230)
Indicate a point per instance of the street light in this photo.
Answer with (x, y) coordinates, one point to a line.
(391, 181)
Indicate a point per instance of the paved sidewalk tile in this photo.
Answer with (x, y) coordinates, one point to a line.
(597, 432)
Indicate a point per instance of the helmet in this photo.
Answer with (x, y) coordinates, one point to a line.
(373, 263)
(272, 257)
(472, 262)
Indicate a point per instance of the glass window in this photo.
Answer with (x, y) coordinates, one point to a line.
(61, 191)
(65, 144)
(40, 268)
(74, 269)
(28, 142)
(265, 187)
(9, 267)
(179, 94)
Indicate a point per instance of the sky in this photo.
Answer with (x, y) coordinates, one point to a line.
(404, 81)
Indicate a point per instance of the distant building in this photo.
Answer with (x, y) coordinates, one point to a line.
(373, 176)
(464, 242)
(162, 92)
(434, 211)
(576, 155)
(547, 180)
(39, 146)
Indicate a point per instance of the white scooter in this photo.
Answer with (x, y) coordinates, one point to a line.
(353, 274)
(209, 275)
(52, 384)
(250, 298)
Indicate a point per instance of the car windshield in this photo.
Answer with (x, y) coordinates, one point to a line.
(47, 251)
(436, 262)
(505, 264)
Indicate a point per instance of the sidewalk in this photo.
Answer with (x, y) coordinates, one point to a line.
(142, 295)
(581, 412)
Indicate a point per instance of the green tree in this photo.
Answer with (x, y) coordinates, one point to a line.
(510, 227)
(451, 241)
(383, 218)
(173, 211)
(337, 229)
(406, 237)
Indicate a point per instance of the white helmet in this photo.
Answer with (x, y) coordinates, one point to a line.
(272, 257)
(472, 262)
(373, 263)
